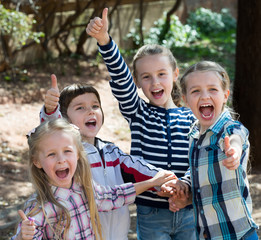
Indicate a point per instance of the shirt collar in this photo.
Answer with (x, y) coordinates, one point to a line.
(215, 127)
(65, 193)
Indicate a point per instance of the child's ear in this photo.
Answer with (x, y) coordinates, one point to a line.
(226, 95)
(136, 82)
(37, 164)
(185, 100)
(175, 74)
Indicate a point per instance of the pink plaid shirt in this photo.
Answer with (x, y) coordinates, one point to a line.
(74, 200)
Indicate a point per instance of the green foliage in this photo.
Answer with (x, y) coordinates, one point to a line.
(207, 35)
(18, 26)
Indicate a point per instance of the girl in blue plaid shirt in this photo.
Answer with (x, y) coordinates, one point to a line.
(67, 200)
(221, 196)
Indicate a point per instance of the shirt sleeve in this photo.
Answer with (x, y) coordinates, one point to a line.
(109, 198)
(122, 84)
(49, 116)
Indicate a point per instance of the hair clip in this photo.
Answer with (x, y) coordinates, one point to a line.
(30, 132)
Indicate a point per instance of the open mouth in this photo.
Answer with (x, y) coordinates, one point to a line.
(62, 173)
(157, 93)
(206, 111)
(91, 123)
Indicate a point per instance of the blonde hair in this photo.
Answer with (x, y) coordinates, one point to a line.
(82, 176)
(154, 49)
(205, 66)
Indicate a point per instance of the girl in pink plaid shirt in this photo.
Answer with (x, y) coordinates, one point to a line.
(67, 200)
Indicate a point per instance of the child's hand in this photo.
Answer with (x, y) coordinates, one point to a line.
(176, 187)
(162, 177)
(98, 28)
(27, 228)
(176, 203)
(52, 96)
(233, 157)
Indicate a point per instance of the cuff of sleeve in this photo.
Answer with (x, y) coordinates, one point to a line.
(106, 47)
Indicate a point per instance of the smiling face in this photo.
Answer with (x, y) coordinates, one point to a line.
(85, 112)
(205, 97)
(155, 76)
(58, 156)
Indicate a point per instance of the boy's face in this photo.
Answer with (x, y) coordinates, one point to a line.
(205, 97)
(85, 112)
(155, 76)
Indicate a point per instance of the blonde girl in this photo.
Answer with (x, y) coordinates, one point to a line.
(66, 202)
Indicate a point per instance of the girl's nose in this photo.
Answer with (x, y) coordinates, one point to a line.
(60, 158)
(155, 80)
(204, 95)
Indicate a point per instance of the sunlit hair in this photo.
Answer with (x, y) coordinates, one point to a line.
(209, 66)
(40, 180)
(206, 66)
(154, 49)
(72, 91)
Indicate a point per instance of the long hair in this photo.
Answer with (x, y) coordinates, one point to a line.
(82, 176)
(72, 91)
(154, 49)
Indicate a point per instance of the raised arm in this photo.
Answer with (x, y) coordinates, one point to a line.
(122, 84)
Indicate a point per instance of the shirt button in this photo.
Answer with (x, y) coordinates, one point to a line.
(169, 144)
(198, 190)
(169, 165)
(202, 212)
(168, 125)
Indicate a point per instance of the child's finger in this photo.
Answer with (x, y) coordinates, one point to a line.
(54, 82)
(22, 215)
(105, 15)
(226, 144)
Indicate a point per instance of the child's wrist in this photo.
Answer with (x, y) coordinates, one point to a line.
(104, 41)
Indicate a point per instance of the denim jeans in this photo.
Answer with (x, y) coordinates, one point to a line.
(250, 235)
(162, 224)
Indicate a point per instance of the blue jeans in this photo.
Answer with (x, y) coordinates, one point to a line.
(162, 224)
(250, 235)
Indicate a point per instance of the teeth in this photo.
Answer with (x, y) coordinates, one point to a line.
(206, 105)
(156, 91)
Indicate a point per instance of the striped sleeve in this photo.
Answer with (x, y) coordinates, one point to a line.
(109, 198)
(122, 84)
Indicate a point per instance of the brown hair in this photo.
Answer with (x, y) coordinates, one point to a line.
(72, 91)
(40, 180)
(154, 49)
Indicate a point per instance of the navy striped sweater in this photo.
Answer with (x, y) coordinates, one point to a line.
(158, 135)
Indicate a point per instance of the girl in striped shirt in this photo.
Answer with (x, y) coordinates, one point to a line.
(67, 200)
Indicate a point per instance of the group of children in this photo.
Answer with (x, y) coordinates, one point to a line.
(83, 183)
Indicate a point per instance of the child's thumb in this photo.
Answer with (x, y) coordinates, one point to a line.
(54, 82)
(105, 15)
(22, 215)
(226, 143)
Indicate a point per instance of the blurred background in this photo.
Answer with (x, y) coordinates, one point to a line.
(41, 37)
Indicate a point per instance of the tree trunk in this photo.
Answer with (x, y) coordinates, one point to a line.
(247, 87)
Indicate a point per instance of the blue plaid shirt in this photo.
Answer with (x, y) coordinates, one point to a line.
(221, 197)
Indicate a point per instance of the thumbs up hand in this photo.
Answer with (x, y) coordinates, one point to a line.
(52, 96)
(27, 228)
(98, 28)
(232, 150)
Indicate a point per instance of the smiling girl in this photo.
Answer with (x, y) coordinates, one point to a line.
(67, 200)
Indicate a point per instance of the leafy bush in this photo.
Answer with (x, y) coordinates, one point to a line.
(207, 35)
(18, 26)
